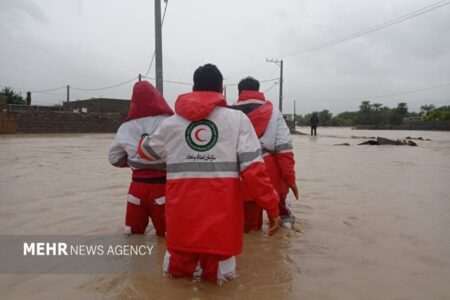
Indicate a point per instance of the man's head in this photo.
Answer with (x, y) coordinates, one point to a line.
(248, 84)
(208, 78)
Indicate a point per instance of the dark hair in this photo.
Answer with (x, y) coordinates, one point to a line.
(208, 78)
(248, 84)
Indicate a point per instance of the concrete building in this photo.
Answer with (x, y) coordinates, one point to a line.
(98, 105)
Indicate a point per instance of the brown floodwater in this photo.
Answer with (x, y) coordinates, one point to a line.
(375, 221)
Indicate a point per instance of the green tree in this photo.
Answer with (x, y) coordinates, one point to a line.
(439, 114)
(365, 107)
(376, 108)
(365, 115)
(402, 109)
(427, 108)
(325, 117)
(13, 97)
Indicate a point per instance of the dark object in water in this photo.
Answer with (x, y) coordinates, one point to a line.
(416, 138)
(343, 144)
(385, 141)
(369, 142)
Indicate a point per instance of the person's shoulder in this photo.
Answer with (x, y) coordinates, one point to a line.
(232, 111)
(125, 126)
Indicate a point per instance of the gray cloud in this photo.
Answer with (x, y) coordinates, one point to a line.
(95, 43)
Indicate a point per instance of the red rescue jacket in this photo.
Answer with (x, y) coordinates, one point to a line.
(274, 136)
(147, 110)
(209, 150)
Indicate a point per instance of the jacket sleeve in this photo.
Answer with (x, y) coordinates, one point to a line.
(255, 181)
(117, 156)
(152, 147)
(284, 151)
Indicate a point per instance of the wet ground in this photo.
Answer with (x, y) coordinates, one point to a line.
(375, 221)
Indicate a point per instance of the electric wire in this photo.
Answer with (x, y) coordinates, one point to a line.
(371, 29)
(381, 96)
(106, 87)
(274, 85)
(169, 81)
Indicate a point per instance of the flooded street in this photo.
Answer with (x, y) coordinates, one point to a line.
(375, 221)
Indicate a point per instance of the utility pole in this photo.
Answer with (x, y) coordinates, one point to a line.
(294, 111)
(158, 47)
(140, 77)
(279, 63)
(225, 92)
(68, 93)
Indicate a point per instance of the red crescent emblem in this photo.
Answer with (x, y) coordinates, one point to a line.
(197, 132)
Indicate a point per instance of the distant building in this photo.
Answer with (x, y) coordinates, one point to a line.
(288, 117)
(99, 105)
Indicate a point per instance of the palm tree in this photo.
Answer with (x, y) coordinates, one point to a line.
(376, 108)
(427, 108)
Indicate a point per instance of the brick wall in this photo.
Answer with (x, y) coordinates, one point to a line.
(3, 104)
(59, 122)
(7, 123)
(99, 105)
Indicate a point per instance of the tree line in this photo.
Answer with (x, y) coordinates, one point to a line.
(368, 113)
(377, 114)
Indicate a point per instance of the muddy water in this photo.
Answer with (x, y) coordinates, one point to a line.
(375, 221)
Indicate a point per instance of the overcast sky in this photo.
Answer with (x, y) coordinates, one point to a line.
(95, 43)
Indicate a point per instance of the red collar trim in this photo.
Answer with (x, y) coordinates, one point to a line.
(254, 95)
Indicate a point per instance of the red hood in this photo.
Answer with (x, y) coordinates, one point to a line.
(251, 95)
(260, 116)
(146, 101)
(196, 106)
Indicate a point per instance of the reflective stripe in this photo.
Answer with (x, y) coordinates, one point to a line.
(203, 167)
(266, 151)
(209, 175)
(127, 230)
(133, 199)
(166, 263)
(139, 165)
(160, 200)
(281, 147)
(246, 164)
(226, 270)
(249, 156)
(146, 147)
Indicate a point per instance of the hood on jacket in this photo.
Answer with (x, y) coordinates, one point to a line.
(147, 101)
(260, 117)
(196, 106)
(251, 95)
(258, 110)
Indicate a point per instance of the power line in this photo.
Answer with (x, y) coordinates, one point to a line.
(268, 80)
(384, 96)
(371, 29)
(274, 85)
(261, 81)
(49, 90)
(105, 88)
(154, 51)
(170, 81)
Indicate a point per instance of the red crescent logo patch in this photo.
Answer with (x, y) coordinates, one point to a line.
(196, 134)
